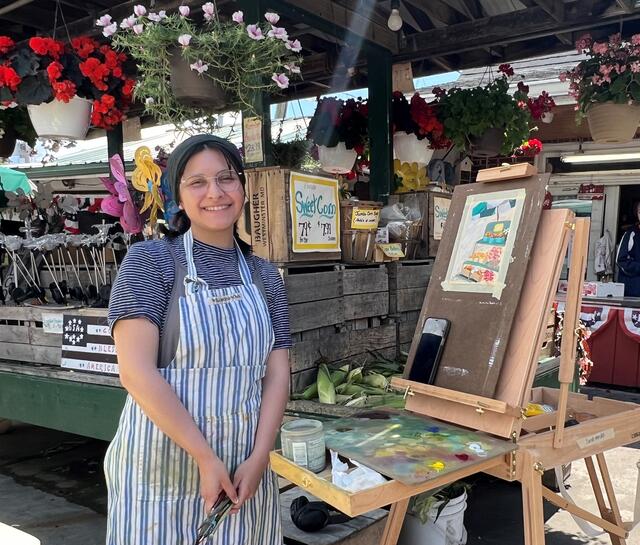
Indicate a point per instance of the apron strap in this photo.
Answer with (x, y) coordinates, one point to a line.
(245, 274)
(192, 283)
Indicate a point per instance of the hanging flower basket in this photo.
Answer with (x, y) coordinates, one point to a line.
(487, 145)
(337, 159)
(612, 123)
(8, 142)
(57, 119)
(408, 149)
(193, 89)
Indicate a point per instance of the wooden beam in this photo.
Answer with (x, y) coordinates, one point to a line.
(332, 16)
(30, 21)
(498, 30)
(552, 7)
(469, 8)
(441, 14)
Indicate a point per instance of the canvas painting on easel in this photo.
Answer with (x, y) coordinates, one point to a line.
(478, 277)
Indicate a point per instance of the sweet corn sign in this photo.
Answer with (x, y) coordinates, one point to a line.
(315, 209)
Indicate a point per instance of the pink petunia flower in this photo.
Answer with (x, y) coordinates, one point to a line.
(128, 22)
(635, 39)
(238, 17)
(600, 48)
(635, 67)
(199, 66)
(273, 18)
(294, 45)
(562, 76)
(255, 32)
(278, 32)
(139, 10)
(110, 30)
(292, 68)
(105, 20)
(184, 11)
(157, 17)
(138, 29)
(184, 39)
(208, 10)
(281, 80)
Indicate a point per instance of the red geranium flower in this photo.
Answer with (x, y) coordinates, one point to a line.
(506, 69)
(127, 88)
(9, 78)
(54, 71)
(6, 44)
(64, 90)
(96, 72)
(47, 46)
(84, 46)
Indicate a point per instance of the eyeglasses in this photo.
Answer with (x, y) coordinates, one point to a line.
(227, 180)
(220, 509)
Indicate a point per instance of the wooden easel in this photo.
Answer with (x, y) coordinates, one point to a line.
(540, 442)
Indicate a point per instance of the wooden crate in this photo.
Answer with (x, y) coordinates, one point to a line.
(266, 224)
(431, 210)
(358, 239)
(337, 312)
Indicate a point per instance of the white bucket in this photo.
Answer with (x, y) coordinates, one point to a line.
(447, 530)
(57, 119)
(337, 159)
(408, 149)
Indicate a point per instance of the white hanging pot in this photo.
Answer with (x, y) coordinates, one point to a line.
(611, 123)
(547, 117)
(337, 159)
(408, 149)
(57, 119)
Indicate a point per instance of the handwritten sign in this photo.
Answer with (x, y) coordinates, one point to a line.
(440, 213)
(365, 219)
(391, 250)
(315, 211)
(87, 344)
(52, 322)
(252, 140)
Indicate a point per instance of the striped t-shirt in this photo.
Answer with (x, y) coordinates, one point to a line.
(145, 279)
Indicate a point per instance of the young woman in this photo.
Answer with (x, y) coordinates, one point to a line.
(201, 330)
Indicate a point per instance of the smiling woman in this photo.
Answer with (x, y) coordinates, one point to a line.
(204, 359)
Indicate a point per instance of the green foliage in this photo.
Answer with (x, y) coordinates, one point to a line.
(18, 119)
(468, 113)
(292, 154)
(240, 65)
(421, 504)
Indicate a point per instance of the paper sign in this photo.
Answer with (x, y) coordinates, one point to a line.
(315, 211)
(440, 212)
(392, 250)
(600, 437)
(252, 140)
(52, 322)
(87, 344)
(365, 219)
(382, 235)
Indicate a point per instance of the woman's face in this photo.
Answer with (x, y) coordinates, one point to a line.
(211, 206)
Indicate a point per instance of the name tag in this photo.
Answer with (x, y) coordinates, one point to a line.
(224, 299)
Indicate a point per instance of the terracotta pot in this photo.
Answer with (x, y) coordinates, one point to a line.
(8, 142)
(408, 149)
(612, 123)
(338, 159)
(487, 145)
(193, 89)
(58, 119)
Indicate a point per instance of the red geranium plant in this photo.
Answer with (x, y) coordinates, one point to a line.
(337, 120)
(47, 69)
(419, 118)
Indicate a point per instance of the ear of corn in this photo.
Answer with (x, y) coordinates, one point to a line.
(326, 390)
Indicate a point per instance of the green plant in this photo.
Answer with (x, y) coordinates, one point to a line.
(421, 504)
(242, 59)
(610, 72)
(468, 113)
(291, 154)
(336, 120)
(17, 119)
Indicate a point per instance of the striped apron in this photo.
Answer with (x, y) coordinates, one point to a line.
(154, 491)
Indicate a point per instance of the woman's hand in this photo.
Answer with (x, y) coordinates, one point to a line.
(214, 479)
(247, 478)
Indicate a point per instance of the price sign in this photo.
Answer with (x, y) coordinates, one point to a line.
(440, 212)
(252, 140)
(365, 218)
(87, 344)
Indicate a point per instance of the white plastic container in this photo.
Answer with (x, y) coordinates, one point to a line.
(447, 530)
(338, 159)
(58, 119)
(408, 149)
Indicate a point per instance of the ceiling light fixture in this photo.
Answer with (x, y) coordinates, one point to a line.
(586, 158)
(395, 19)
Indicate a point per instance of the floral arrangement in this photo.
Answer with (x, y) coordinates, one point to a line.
(529, 148)
(610, 73)
(242, 59)
(336, 120)
(47, 69)
(419, 118)
(409, 177)
(468, 113)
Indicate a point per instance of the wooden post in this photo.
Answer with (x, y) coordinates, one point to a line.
(532, 508)
(394, 522)
(115, 141)
(380, 67)
(571, 320)
(613, 511)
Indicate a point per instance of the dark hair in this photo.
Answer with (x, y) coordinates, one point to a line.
(176, 165)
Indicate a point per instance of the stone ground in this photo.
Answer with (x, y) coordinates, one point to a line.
(51, 486)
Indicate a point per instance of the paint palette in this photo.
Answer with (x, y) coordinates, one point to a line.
(411, 449)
